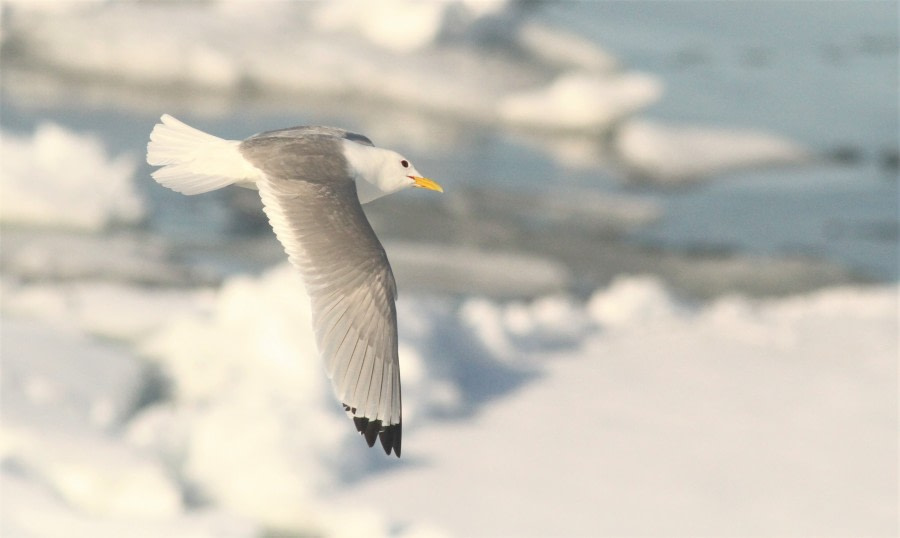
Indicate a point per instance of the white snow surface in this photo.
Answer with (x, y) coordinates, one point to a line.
(134, 406)
(459, 58)
(754, 418)
(481, 62)
(546, 417)
(62, 179)
(582, 100)
(684, 153)
(66, 470)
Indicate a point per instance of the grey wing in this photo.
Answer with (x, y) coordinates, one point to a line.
(322, 227)
(305, 131)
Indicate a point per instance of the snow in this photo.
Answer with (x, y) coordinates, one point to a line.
(394, 25)
(482, 62)
(772, 416)
(560, 47)
(95, 475)
(31, 509)
(39, 387)
(264, 390)
(58, 178)
(113, 310)
(636, 299)
(343, 49)
(51, 7)
(768, 418)
(677, 154)
(141, 397)
(66, 469)
(581, 100)
(40, 253)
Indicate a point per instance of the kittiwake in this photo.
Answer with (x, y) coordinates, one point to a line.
(312, 181)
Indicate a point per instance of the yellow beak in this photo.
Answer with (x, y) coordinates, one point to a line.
(425, 183)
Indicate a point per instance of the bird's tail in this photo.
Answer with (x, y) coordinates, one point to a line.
(195, 162)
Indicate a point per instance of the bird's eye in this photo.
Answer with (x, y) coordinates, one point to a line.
(404, 163)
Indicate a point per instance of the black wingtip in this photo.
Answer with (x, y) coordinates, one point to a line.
(390, 439)
(361, 423)
(371, 432)
(389, 436)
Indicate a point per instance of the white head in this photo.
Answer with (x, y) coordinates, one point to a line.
(381, 171)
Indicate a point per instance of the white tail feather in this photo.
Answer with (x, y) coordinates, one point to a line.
(195, 162)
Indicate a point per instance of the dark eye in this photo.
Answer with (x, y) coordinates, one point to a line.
(404, 163)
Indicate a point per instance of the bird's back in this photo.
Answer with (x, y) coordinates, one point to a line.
(304, 131)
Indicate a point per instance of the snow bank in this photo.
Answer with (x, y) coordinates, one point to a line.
(676, 154)
(560, 47)
(32, 509)
(488, 63)
(249, 373)
(768, 418)
(58, 178)
(112, 310)
(774, 417)
(66, 470)
(633, 300)
(581, 100)
(55, 7)
(395, 25)
(72, 254)
(95, 475)
(461, 59)
(41, 386)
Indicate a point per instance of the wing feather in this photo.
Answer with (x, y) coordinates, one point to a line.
(341, 359)
(327, 237)
(371, 409)
(360, 388)
(353, 350)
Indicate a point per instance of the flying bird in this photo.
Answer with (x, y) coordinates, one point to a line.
(313, 182)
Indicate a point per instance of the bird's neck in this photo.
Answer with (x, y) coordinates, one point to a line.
(365, 164)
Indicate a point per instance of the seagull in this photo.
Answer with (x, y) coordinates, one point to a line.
(313, 181)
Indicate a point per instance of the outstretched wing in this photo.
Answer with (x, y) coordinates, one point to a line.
(317, 217)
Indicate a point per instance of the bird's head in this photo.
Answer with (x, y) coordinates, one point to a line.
(382, 171)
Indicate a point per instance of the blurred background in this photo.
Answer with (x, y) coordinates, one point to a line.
(658, 297)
